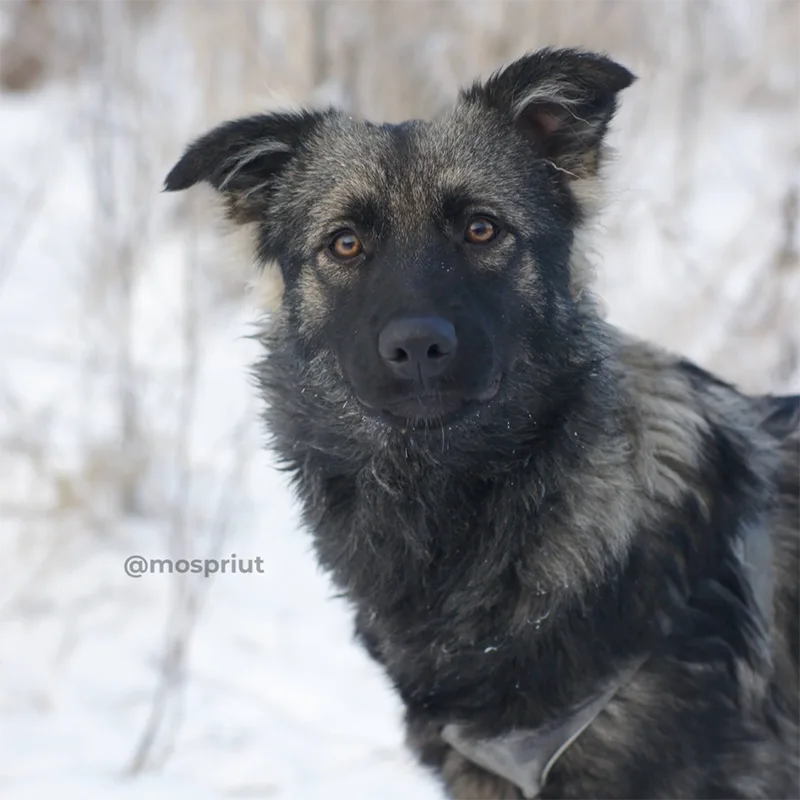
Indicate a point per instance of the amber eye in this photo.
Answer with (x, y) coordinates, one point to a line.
(346, 245)
(480, 230)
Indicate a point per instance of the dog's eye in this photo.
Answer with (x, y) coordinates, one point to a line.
(480, 230)
(346, 245)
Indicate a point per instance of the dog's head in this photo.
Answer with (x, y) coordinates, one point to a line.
(425, 265)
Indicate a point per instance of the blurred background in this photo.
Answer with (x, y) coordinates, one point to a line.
(128, 424)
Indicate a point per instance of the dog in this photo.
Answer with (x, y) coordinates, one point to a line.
(575, 554)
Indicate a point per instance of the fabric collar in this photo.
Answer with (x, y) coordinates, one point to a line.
(525, 757)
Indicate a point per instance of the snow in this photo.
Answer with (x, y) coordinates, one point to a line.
(277, 702)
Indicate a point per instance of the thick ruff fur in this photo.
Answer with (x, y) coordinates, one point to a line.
(505, 561)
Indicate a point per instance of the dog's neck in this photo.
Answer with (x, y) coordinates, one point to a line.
(401, 520)
(456, 558)
(414, 521)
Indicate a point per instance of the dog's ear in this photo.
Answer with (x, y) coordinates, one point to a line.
(560, 100)
(242, 159)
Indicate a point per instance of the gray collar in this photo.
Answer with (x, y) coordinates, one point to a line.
(525, 757)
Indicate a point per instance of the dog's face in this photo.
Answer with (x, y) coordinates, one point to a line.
(425, 264)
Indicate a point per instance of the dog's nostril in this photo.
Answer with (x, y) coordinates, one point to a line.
(417, 347)
(399, 356)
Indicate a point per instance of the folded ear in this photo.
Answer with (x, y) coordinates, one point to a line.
(560, 100)
(243, 158)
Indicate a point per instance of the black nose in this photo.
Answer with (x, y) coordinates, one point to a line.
(414, 347)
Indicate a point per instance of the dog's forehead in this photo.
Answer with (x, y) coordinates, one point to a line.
(410, 166)
(469, 153)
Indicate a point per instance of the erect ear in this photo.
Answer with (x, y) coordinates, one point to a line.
(560, 100)
(242, 159)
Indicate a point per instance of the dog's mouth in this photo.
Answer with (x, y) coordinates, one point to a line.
(430, 409)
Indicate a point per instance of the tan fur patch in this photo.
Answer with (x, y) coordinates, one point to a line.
(314, 304)
(591, 195)
(528, 286)
(266, 288)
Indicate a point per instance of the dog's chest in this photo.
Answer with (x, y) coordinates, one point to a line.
(443, 667)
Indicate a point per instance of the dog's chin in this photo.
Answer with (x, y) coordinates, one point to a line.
(434, 411)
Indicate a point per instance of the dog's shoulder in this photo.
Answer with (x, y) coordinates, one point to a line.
(668, 383)
(673, 378)
(677, 417)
